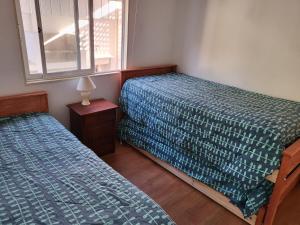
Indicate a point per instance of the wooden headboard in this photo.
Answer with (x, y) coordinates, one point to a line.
(24, 103)
(145, 71)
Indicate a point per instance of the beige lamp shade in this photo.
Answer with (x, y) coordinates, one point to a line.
(85, 86)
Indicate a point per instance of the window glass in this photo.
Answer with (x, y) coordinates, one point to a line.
(84, 33)
(31, 36)
(60, 41)
(107, 35)
(58, 23)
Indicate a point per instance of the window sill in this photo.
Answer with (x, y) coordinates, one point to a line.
(57, 79)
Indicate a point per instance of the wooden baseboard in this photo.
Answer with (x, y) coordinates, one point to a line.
(209, 192)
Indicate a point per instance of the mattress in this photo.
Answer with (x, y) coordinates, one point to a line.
(225, 137)
(48, 177)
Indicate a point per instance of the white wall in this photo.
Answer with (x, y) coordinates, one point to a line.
(150, 33)
(253, 44)
(152, 49)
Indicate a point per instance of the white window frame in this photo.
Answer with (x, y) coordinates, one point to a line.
(71, 74)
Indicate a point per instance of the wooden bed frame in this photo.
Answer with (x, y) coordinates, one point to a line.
(24, 103)
(284, 179)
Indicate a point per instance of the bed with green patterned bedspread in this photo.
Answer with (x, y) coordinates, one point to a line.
(48, 177)
(228, 138)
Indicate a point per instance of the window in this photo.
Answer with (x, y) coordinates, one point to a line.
(67, 38)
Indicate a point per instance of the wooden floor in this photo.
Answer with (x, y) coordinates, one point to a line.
(182, 202)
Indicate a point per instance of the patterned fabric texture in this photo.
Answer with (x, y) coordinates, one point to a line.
(48, 177)
(228, 138)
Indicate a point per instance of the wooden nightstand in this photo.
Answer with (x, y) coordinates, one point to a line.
(95, 125)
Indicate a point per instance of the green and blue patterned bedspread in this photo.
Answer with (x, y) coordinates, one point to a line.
(226, 137)
(48, 177)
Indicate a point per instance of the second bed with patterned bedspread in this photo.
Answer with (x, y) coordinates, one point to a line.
(48, 177)
(226, 137)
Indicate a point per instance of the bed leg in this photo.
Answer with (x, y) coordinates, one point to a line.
(271, 213)
(260, 216)
(288, 177)
(273, 204)
(281, 189)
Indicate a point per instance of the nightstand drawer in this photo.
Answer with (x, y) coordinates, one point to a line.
(100, 130)
(94, 119)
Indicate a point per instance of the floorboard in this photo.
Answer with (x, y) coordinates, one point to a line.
(183, 203)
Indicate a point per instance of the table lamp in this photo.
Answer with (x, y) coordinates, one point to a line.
(85, 86)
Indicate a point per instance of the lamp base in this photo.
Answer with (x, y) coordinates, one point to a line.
(85, 95)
